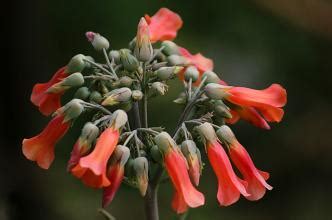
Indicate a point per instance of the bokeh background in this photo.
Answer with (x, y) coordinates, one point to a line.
(252, 42)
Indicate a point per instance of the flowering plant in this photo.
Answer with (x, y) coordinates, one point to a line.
(116, 144)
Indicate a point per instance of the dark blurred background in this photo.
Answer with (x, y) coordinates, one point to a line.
(252, 42)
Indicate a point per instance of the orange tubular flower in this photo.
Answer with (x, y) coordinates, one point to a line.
(48, 102)
(229, 185)
(115, 173)
(267, 101)
(255, 178)
(163, 25)
(92, 168)
(41, 147)
(186, 195)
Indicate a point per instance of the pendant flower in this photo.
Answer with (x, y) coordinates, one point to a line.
(267, 101)
(176, 166)
(255, 178)
(41, 147)
(229, 185)
(163, 25)
(115, 173)
(91, 169)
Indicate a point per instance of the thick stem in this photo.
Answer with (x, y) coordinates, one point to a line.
(151, 202)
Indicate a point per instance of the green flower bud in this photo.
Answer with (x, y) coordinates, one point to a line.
(118, 119)
(117, 96)
(114, 55)
(129, 62)
(216, 91)
(165, 142)
(73, 80)
(170, 48)
(82, 93)
(143, 48)
(226, 134)
(129, 168)
(164, 73)
(120, 155)
(156, 154)
(176, 60)
(207, 132)
(137, 95)
(76, 64)
(71, 110)
(87, 64)
(191, 73)
(221, 109)
(141, 167)
(125, 106)
(158, 55)
(156, 66)
(160, 88)
(96, 97)
(211, 77)
(98, 42)
(182, 99)
(89, 132)
(125, 81)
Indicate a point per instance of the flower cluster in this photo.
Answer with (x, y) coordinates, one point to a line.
(116, 145)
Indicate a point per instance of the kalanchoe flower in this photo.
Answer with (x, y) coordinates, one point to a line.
(47, 102)
(129, 62)
(255, 178)
(83, 144)
(98, 42)
(159, 88)
(143, 48)
(41, 147)
(163, 25)
(73, 80)
(92, 168)
(167, 72)
(117, 96)
(229, 185)
(115, 173)
(176, 167)
(193, 156)
(267, 101)
(198, 60)
(141, 168)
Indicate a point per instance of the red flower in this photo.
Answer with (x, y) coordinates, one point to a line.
(267, 101)
(41, 147)
(48, 102)
(256, 179)
(177, 169)
(163, 25)
(92, 168)
(229, 185)
(198, 60)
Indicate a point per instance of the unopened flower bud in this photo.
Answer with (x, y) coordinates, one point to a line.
(137, 95)
(143, 48)
(191, 73)
(222, 110)
(129, 62)
(129, 168)
(141, 167)
(82, 93)
(207, 132)
(226, 134)
(211, 77)
(176, 60)
(71, 110)
(156, 154)
(117, 96)
(96, 97)
(125, 81)
(114, 55)
(182, 99)
(89, 132)
(216, 91)
(156, 66)
(119, 119)
(125, 106)
(76, 64)
(98, 42)
(165, 142)
(160, 88)
(73, 80)
(164, 73)
(158, 55)
(170, 48)
(87, 64)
